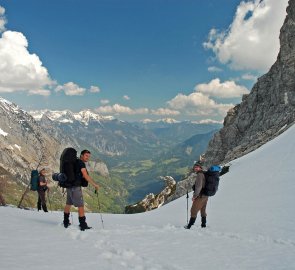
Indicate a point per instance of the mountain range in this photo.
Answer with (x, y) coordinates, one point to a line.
(36, 140)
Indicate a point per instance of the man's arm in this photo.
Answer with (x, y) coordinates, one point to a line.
(88, 178)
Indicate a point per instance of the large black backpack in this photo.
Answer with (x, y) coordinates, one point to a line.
(69, 167)
(211, 181)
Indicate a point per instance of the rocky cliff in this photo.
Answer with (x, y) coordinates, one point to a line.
(267, 111)
(24, 144)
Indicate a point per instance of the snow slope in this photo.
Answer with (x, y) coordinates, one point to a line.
(251, 225)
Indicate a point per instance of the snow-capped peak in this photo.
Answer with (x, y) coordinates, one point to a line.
(67, 116)
(87, 115)
(8, 106)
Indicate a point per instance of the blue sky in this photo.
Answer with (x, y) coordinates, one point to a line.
(136, 59)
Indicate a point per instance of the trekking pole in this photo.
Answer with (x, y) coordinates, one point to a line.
(187, 206)
(99, 209)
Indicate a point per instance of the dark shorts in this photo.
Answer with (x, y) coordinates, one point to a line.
(75, 197)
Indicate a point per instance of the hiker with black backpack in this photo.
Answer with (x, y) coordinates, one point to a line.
(42, 188)
(199, 200)
(77, 175)
(206, 185)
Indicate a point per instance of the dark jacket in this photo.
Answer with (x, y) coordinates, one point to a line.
(42, 179)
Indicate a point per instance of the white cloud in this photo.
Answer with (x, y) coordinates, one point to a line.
(198, 104)
(104, 101)
(94, 89)
(3, 20)
(214, 69)
(119, 109)
(252, 40)
(71, 89)
(227, 89)
(20, 70)
(165, 111)
(126, 97)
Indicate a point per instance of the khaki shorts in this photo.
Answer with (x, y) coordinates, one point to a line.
(75, 196)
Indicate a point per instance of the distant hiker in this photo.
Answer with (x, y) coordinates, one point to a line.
(74, 192)
(199, 200)
(42, 188)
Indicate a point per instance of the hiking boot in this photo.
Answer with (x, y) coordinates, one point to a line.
(203, 224)
(44, 207)
(191, 222)
(66, 221)
(83, 225)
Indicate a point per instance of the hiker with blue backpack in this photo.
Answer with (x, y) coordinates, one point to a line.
(206, 184)
(42, 188)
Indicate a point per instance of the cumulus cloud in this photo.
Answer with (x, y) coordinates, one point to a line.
(252, 40)
(2, 19)
(165, 111)
(71, 89)
(119, 109)
(94, 89)
(227, 89)
(20, 70)
(126, 97)
(198, 104)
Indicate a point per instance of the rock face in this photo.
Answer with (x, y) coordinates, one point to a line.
(23, 143)
(267, 111)
(98, 166)
(152, 201)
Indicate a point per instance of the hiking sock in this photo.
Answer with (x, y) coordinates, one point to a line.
(66, 221)
(203, 224)
(191, 222)
(83, 225)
